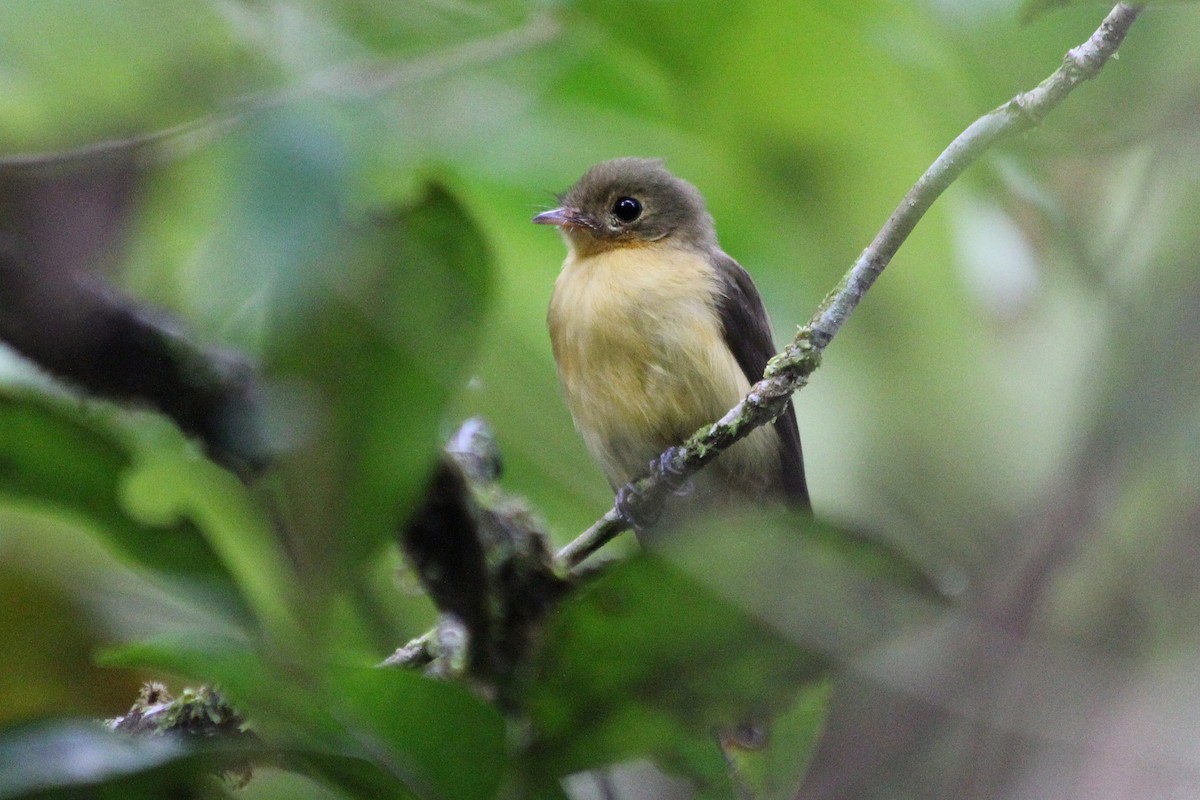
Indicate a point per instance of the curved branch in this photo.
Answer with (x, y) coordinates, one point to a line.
(788, 372)
(347, 81)
(85, 332)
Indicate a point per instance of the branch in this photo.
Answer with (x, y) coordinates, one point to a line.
(484, 560)
(92, 338)
(61, 211)
(788, 371)
(347, 81)
(201, 712)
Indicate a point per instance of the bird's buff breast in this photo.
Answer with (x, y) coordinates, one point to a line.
(642, 358)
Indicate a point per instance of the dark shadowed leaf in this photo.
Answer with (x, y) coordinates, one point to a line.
(47, 639)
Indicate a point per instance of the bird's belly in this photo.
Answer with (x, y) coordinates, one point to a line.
(643, 365)
(641, 393)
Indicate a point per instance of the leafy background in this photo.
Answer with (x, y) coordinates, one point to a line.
(1016, 406)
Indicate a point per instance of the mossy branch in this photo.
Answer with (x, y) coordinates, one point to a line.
(789, 371)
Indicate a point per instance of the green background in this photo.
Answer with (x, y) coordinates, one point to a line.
(1015, 405)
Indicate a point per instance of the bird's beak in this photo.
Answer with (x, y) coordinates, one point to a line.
(565, 217)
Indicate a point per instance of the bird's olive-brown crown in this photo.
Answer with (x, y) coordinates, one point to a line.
(636, 200)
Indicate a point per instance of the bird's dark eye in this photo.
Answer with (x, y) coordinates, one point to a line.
(627, 209)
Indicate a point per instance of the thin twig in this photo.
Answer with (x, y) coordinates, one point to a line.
(788, 372)
(345, 81)
(602, 531)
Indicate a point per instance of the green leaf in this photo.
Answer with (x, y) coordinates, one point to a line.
(648, 662)
(375, 340)
(372, 728)
(439, 738)
(286, 708)
(71, 460)
(832, 591)
(291, 710)
(720, 625)
(80, 760)
(139, 484)
(776, 772)
(173, 482)
(356, 777)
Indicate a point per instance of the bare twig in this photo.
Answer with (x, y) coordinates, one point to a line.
(788, 372)
(602, 531)
(346, 81)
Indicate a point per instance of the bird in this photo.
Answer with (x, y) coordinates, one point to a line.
(657, 332)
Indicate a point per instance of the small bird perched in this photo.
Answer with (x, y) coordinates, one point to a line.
(657, 332)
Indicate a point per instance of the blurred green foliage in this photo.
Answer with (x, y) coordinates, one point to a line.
(341, 189)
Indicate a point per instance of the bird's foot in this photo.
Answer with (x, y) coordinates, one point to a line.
(669, 464)
(668, 467)
(635, 509)
(642, 510)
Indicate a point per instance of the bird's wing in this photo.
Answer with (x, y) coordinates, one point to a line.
(747, 330)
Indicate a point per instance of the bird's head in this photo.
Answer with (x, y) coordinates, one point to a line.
(631, 202)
